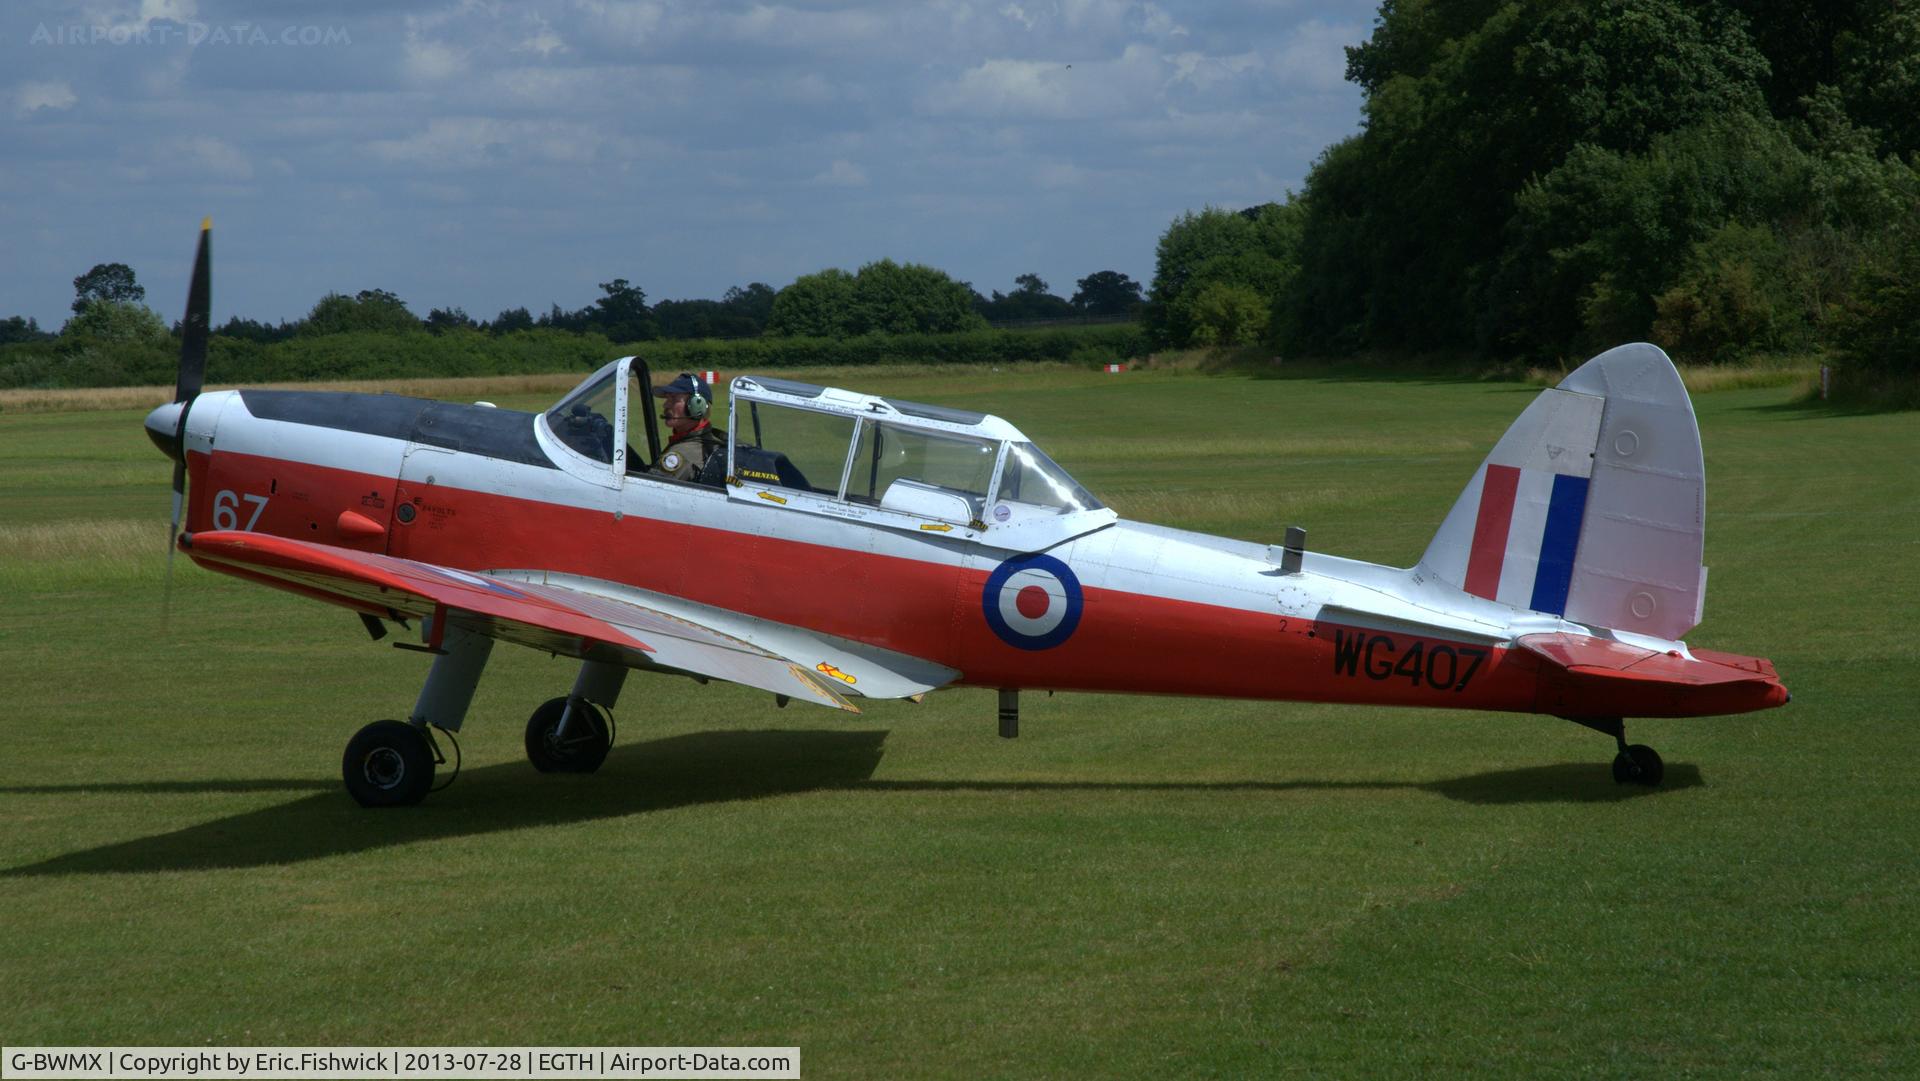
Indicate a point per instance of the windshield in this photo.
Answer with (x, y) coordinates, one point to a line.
(1034, 483)
(584, 419)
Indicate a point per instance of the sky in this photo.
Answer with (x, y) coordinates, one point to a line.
(498, 155)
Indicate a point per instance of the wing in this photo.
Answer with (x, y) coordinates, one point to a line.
(546, 617)
(856, 668)
(1603, 677)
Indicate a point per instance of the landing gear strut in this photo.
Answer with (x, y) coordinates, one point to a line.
(1636, 763)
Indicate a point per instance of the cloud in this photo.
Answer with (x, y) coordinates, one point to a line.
(790, 28)
(1206, 73)
(29, 98)
(543, 41)
(623, 23)
(216, 159)
(432, 61)
(138, 16)
(477, 142)
(1051, 89)
(842, 174)
(1062, 176)
(1315, 54)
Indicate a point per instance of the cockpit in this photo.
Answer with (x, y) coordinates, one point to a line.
(823, 450)
(904, 464)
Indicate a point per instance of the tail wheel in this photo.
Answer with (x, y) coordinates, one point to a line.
(583, 747)
(1638, 764)
(388, 764)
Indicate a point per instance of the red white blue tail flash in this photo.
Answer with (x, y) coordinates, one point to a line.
(1525, 536)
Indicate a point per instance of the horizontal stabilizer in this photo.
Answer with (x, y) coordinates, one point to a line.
(1417, 622)
(1602, 677)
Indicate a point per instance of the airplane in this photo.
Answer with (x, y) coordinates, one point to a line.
(851, 546)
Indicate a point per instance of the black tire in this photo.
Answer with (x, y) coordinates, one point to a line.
(388, 764)
(1638, 764)
(589, 737)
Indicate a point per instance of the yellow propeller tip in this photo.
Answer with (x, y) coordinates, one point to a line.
(206, 224)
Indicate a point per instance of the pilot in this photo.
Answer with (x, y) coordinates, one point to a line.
(686, 401)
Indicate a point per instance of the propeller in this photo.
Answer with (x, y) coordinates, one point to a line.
(193, 374)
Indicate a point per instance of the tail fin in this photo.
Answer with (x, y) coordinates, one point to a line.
(1592, 506)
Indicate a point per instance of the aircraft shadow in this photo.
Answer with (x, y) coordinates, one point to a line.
(1568, 782)
(264, 784)
(676, 771)
(655, 775)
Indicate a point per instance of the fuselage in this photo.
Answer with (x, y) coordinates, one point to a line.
(1124, 607)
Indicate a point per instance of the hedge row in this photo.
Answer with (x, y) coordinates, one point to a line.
(81, 362)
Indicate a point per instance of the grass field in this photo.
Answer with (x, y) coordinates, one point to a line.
(1134, 888)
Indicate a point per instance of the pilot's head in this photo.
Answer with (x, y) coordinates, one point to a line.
(684, 402)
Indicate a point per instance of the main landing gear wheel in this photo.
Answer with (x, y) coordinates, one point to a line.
(1638, 764)
(388, 764)
(584, 746)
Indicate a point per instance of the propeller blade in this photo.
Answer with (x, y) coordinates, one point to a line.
(173, 533)
(194, 331)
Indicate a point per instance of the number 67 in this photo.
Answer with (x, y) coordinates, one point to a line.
(226, 506)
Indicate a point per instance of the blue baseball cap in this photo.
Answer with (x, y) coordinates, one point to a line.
(686, 383)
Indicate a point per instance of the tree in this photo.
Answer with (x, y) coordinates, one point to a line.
(373, 310)
(575, 322)
(440, 320)
(1732, 296)
(1879, 326)
(1595, 241)
(680, 320)
(511, 319)
(622, 314)
(748, 309)
(1224, 314)
(1255, 250)
(814, 306)
(1466, 105)
(18, 329)
(117, 321)
(253, 330)
(909, 298)
(107, 281)
(1880, 76)
(1029, 300)
(1107, 292)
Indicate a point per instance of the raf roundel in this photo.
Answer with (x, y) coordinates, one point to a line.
(1032, 602)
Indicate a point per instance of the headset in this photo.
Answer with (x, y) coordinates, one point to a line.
(696, 402)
